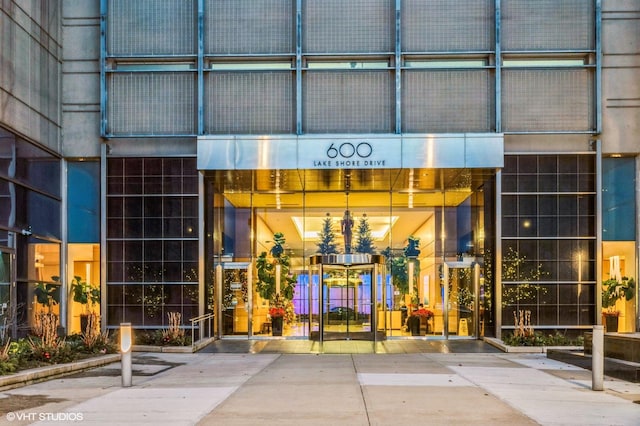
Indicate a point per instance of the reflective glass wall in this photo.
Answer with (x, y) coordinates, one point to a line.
(619, 258)
(397, 213)
(152, 240)
(83, 249)
(30, 227)
(549, 242)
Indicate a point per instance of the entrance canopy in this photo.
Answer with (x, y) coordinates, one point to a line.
(434, 151)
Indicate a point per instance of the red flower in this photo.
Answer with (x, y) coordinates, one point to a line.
(422, 312)
(275, 312)
(46, 355)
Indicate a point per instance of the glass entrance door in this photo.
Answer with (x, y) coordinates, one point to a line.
(233, 301)
(461, 313)
(347, 301)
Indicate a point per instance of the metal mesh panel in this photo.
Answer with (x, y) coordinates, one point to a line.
(447, 101)
(548, 25)
(444, 25)
(334, 26)
(250, 102)
(151, 27)
(348, 102)
(161, 103)
(249, 26)
(546, 100)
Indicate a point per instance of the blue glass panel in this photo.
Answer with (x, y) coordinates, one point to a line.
(36, 168)
(83, 191)
(464, 231)
(618, 199)
(37, 212)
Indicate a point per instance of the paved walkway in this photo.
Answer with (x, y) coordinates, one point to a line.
(442, 384)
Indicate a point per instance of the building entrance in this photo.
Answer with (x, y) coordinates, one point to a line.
(233, 313)
(463, 313)
(353, 253)
(344, 305)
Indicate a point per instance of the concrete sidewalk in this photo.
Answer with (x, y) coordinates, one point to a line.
(328, 389)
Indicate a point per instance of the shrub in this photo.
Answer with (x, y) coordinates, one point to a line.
(8, 364)
(51, 352)
(162, 338)
(539, 339)
(100, 343)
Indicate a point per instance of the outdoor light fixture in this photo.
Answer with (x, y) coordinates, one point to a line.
(126, 344)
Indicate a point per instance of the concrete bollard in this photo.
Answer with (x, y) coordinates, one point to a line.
(597, 358)
(126, 343)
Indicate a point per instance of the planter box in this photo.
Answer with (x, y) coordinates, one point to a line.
(623, 346)
(527, 349)
(35, 375)
(174, 349)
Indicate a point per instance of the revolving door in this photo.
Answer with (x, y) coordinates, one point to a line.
(344, 293)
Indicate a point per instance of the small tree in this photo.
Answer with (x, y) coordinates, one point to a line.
(364, 241)
(398, 265)
(614, 290)
(327, 244)
(413, 247)
(516, 269)
(267, 267)
(84, 293)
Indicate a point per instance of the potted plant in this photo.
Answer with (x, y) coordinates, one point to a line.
(277, 313)
(612, 291)
(88, 296)
(274, 269)
(47, 295)
(268, 267)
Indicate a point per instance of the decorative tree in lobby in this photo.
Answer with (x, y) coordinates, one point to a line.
(268, 269)
(327, 244)
(364, 241)
(276, 283)
(398, 265)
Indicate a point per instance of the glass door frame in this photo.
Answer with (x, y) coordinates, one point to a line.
(220, 268)
(354, 296)
(349, 261)
(474, 267)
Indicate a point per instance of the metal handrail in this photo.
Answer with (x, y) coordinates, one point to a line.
(199, 319)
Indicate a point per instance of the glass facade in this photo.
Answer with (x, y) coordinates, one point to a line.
(619, 252)
(357, 213)
(83, 248)
(183, 71)
(371, 67)
(83, 191)
(152, 240)
(549, 240)
(30, 217)
(618, 199)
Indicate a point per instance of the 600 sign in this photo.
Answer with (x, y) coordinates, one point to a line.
(348, 150)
